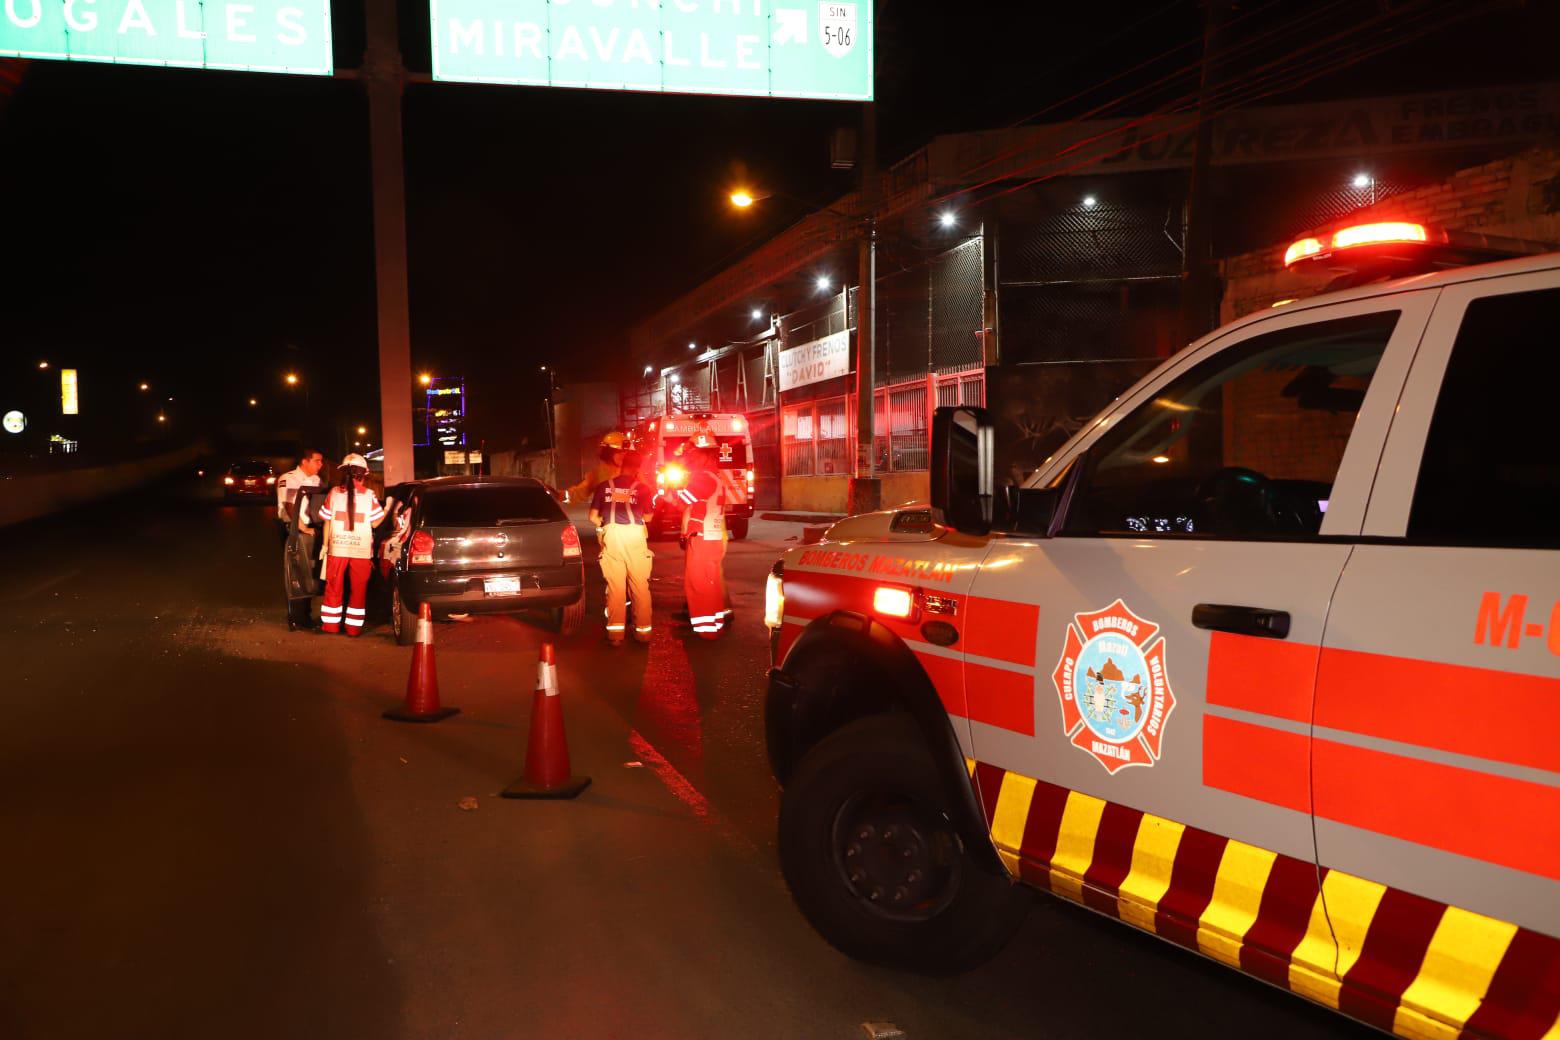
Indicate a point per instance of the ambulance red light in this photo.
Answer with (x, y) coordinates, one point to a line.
(421, 548)
(1302, 249)
(571, 542)
(893, 601)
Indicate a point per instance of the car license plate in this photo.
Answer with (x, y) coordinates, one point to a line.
(501, 586)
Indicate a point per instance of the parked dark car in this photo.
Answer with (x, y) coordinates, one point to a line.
(483, 545)
(252, 479)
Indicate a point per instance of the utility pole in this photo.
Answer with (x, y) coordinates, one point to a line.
(1198, 285)
(384, 77)
(866, 491)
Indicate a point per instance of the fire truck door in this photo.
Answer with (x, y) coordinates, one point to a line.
(1436, 771)
(1180, 610)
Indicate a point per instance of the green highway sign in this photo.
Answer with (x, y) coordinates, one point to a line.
(773, 48)
(252, 35)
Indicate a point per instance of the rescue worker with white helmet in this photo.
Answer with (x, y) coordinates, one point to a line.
(351, 512)
(704, 541)
(618, 509)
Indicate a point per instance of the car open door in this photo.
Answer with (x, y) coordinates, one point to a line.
(300, 556)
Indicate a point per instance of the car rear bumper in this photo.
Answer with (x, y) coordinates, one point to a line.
(462, 592)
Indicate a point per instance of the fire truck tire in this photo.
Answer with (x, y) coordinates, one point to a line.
(738, 526)
(875, 863)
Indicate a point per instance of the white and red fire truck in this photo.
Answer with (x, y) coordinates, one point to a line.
(1265, 661)
(664, 442)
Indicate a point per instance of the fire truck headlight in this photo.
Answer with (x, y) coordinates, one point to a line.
(893, 601)
(774, 601)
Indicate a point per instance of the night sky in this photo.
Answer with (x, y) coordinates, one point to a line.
(210, 230)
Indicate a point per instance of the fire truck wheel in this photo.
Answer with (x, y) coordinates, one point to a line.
(738, 526)
(876, 864)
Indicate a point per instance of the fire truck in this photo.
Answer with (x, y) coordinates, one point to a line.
(664, 442)
(1263, 661)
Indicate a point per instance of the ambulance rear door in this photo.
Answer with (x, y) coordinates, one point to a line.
(1156, 767)
(1436, 753)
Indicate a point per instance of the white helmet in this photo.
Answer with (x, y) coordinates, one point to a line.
(355, 460)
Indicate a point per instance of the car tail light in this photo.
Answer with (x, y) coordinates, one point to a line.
(421, 548)
(228, 481)
(893, 601)
(571, 542)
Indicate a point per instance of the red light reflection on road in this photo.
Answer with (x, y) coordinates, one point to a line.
(668, 711)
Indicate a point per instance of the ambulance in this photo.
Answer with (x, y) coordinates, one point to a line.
(1264, 661)
(664, 442)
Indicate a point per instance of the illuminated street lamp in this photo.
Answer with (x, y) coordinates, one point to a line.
(161, 417)
(292, 379)
(425, 379)
(145, 387)
(253, 403)
(362, 430)
(742, 198)
(43, 364)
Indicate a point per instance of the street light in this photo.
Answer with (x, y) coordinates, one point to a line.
(253, 402)
(292, 379)
(145, 387)
(757, 314)
(1089, 202)
(948, 218)
(43, 364)
(425, 379)
(742, 198)
(161, 417)
(823, 283)
(362, 430)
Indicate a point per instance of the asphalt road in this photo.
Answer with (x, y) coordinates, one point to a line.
(209, 831)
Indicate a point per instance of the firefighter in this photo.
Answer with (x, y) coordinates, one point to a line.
(704, 541)
(618, 510)
(610, 462)
(351, 512)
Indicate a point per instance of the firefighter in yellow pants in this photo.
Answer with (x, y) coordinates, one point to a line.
(618, 509)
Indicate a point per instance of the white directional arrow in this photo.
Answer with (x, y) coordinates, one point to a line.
(793, 25)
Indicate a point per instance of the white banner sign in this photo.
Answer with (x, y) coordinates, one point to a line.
(814, 362)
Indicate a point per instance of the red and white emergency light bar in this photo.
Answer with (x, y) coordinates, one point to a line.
(1399, 247)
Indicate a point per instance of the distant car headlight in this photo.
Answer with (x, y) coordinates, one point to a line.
(228, 481)
(270, 480)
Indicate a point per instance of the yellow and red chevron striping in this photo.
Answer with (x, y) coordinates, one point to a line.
(1388, 957)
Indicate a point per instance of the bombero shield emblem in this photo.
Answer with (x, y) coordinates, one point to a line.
(837, 26)
(1114, 687)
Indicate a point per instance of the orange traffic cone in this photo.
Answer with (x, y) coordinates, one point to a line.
(547, 754)
(422, 685)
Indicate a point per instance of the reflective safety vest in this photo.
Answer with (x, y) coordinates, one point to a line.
(352, 536)
(706, 495)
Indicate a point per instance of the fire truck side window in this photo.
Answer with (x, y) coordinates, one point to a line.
(1245, 445)
(1490, 474)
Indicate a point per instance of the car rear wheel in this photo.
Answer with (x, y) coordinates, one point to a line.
(403, 621)
(569, 620)
(738, 526)
(875, 863)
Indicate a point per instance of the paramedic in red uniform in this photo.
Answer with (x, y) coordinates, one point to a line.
(704, 538)
(351, 512)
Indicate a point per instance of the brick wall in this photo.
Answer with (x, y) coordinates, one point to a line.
(1267, 432)
(1517, 196)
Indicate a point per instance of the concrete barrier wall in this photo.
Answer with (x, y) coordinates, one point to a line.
(34, 495)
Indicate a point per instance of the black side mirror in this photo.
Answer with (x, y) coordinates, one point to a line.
(1032, 510)
(962, 468)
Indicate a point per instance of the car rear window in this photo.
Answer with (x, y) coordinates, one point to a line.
(251, 469)
(487, 505)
